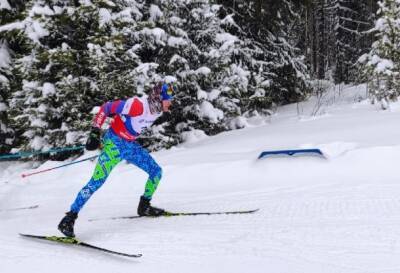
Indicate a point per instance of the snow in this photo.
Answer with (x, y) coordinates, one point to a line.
(4, 5)
(3, 107)
(110, 3)
(203, 71)
(193, 136)
(35, 31)
(177, 58)
(238, 123)
(214, 94)
(381, 24)
(227, 40)
(340, 214)
(384, 65)
(170, 79)
(175, 20)
(3, 79)
(37, 143)
(202, 95)
(155, 13)
(126, 15)
(145, 68)
(12, 26)
(363, 58)
(39, 10)
(65, 47)
(58, 10)
(48, 89)
(4, 55)
(105, 17)
(225, 37)
(71, 137)
(28, 85)
(157, 33)
(176, 41)
(33, 28)
(42, 108)
(210, 96)
(242, 74)
(207, 110)
(40, 124)
(228, 20)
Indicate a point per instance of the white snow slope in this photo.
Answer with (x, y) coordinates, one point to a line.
(340, 214)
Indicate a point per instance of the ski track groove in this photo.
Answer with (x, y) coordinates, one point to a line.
(343, 221)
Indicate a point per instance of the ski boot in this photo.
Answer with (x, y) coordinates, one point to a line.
(146, 209)
(66, 226)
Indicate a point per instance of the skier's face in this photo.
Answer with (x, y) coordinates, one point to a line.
(166, 104)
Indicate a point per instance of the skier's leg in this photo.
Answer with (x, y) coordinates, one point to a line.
(108, 159)
(141, 158)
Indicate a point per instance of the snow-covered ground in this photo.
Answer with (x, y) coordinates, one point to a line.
(340, 214)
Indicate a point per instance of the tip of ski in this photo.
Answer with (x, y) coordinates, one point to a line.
(74, 241)
(20, 208)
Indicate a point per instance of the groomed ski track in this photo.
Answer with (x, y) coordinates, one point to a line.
(334, 215)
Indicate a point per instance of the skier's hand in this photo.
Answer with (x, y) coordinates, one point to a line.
(93, 142)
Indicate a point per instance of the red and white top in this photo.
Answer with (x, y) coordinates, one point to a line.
(130, 117)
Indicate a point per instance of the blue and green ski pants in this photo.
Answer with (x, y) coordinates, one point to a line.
(115, 149)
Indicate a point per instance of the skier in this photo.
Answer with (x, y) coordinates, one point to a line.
(130, 117)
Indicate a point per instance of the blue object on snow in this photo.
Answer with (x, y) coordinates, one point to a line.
(292, 152)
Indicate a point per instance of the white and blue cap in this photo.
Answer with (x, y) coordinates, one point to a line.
(167, 91)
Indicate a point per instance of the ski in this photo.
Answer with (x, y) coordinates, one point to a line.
(21, 208)
(74, 241)
(171, 214)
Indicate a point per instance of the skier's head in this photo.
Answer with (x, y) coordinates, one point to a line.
(160, 97)
(167, 91)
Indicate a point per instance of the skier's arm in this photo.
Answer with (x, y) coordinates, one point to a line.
(131, 107)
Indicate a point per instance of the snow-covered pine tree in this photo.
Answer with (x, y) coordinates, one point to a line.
(86, 52)
(11, 45)
(336, 35)
(227, 69)
(347, 21)
(381, 66)
(271, 27)
(199, 53)
(315, 36)
(81, 58)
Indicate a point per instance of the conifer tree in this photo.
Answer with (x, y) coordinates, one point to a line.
(78, 48)
(228, 69)
(336, 34)
(348, 23)
(381, 66)
(83, 53)
(12, 43)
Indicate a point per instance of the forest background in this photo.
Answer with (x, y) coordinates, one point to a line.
(231, 60)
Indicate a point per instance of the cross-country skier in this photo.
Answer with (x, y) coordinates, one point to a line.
(130, 117)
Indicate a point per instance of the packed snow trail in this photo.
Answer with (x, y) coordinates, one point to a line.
(340, 214)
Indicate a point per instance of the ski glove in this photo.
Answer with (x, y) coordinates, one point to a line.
(93, 142)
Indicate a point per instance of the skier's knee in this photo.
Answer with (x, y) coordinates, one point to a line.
(93, 186)
(155, 172)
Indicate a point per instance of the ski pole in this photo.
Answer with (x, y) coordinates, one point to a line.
(46, 170)
(26, 154)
